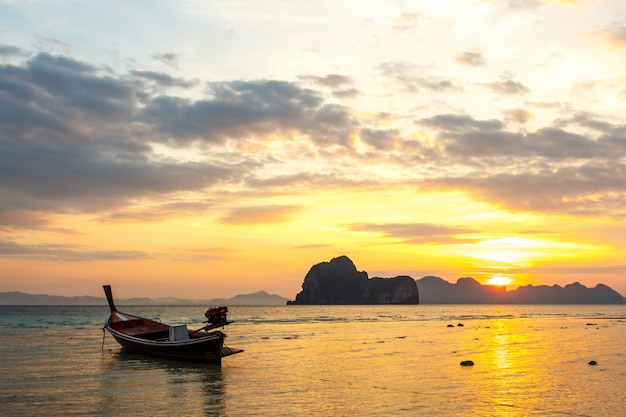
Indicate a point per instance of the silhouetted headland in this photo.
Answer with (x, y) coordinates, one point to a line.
(339, 282)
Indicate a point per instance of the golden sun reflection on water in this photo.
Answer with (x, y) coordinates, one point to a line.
(522, 368)
(512, 365)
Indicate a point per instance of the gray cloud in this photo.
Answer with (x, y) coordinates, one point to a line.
(330, 80)
(465, 137)
(379, 139)
(409, 77)
(163, 79)
(64, 253)
(518, 115)
(8, 50)
(418, 233)
(458, 122)
(76, 137)
(585, 190)
(243, 109)
(70, 140)
(507, 87)
(65, 177)
(346, 93)
(473, 59)
(549, 170)
(168, 58)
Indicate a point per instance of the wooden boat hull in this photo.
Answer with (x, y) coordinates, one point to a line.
(149, 337)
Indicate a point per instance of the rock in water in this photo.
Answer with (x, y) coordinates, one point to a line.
(467, 363)
(339, 282)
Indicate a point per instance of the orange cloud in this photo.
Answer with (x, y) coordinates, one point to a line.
(611, 37)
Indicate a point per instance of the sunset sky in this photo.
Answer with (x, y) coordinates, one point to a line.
(205, 149)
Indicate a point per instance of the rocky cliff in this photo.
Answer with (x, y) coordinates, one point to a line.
(339, 282)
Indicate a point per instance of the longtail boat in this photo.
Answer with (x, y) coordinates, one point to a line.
(151, 337)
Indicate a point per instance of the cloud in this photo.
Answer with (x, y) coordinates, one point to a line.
(18, 218)
(260, 214)
(454, 122)
(75, 137)
(172, 208)
(465, 137)
(341, 85)
(162, 79)
(240, 110)
(406, 22)
(417, 233)
(409, 78)
(168, 58)
(590, 189)
(473, 59)
(60, 97)
(64, 253)
(613, 37)
(550, 170)
(65, 177)
(330, 80)
(518, 115)
(8, 50)
(378, 138)
(69, 140)
(346, 93)
(507, 87)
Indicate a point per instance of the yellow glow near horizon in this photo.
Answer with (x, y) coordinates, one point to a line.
(499, 280)
(511, 250)
(230, 249)
(519, 251)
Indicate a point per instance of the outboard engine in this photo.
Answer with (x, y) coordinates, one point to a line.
(216, 316)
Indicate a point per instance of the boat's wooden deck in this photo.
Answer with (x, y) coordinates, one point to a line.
(143, 329)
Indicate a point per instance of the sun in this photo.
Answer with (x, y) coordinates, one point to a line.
(499, 280)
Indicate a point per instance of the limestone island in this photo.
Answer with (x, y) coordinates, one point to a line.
(338, 282)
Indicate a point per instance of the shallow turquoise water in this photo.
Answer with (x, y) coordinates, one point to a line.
(325, 361)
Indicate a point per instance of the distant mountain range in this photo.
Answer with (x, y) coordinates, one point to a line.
(434, 290)
(21, 298)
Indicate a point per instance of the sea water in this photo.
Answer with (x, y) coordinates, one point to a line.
(324, 361)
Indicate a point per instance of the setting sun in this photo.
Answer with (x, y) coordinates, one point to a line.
(499, 280)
